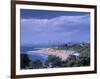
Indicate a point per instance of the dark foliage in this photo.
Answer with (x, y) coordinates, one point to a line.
(54, 61)
(24, 61)
(36, 64)
(82, 61)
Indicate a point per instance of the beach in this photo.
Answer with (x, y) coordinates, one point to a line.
(63, 54)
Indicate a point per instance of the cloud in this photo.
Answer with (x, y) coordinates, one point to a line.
(65, 28)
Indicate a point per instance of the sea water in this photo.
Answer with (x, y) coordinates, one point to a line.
(32, 54)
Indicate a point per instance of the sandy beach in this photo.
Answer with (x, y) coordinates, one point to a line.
(63, 54)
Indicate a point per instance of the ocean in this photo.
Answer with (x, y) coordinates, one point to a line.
(32, 54)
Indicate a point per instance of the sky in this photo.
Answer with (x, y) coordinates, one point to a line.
(45, 27)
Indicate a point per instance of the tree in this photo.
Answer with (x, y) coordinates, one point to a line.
(24, 61)
(54, 61)
(36, 64)
(82, 61)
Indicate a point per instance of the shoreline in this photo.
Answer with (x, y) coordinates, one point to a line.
(63, 54)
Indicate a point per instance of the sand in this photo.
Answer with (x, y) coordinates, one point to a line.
(63, 54)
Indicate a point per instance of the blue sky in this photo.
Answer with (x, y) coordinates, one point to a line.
(43, 27)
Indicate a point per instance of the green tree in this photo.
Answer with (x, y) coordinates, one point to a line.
(54, 61)
(82, 61)
(36, 64)
(24, 61)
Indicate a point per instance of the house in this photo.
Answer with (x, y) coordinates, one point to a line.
(76, 54)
